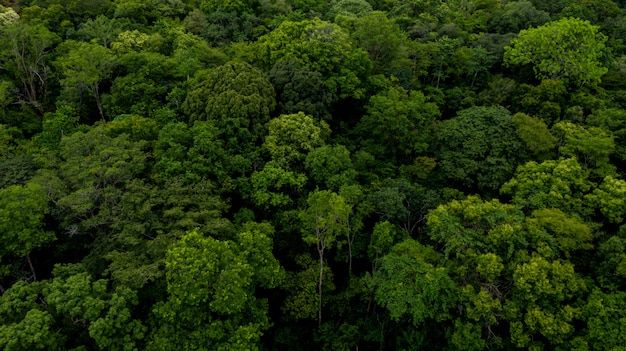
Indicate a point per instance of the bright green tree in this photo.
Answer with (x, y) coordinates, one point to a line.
(325, 220)
(22, 212)
(84, 67)
(570, 49)
(211, 286)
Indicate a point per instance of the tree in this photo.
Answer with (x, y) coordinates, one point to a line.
(22, 211)
(383, 40)
(84, 67)
(299, 89)
(320, 46)
(238, 97)
(292, 137)
(397, 125)
(69, 311)
(330, 166)
(478, 149)
(24, 49)
(409, 284)
(325, 218)
(551, 184)
(592, 146)
(211, 286)
(569, 49)
(517, 15)
(102, 29)
(535, 134)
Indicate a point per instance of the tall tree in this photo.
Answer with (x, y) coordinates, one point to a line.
(84, 67)
(570, 49)
(24, 50)
(325, 218)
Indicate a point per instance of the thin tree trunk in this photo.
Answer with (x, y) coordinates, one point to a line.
(98, 103)
(32, 268)
(319, 287)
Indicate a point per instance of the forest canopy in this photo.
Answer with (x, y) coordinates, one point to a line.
(312, 175)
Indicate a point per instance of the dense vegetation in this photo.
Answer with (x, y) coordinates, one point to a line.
(312, 175)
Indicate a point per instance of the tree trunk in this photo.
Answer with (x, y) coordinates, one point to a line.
(32, 268)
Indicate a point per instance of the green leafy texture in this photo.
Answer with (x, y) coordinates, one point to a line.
(84, 67)
(149, 218)
(195, 153)
(67, 311)
(613, 120)
(324, 221)
(473, 226)
(330, 167)
(408, 284)
(101, 30)
(107, 317)
(237, 96)
(275, 186)
(397, 124)
(569, 49)
(299, 89)
(302, 288)
(94, 168)
(570, 233)
(209, 6)
(551, 184)
(606, 321)
(592, 146)
(291, 137)
(22, 211)
(478, 149)
(55, 125)
(383, 237)
(517, 15)
(8, 16)
(404, 204)
(349, 8)
(34, 332)
(146, 89)
(211, 286)
(544, 288)
(383, 40)
(547, 101)
(24, 50)
(610, 199)
(534, 132)
(320, 46)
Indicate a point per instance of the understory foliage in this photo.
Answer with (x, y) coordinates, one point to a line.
(312, 175)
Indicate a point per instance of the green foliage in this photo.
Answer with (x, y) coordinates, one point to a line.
(330, 166)
(24, 51)
(569, 49)
(552, 184)
(291, 137)
(478, 149)
(237, 96)
(22, 211)
(84, 67)
(592, 146)
(275, 186)
(516, 16)
(408, 284)
(299, 89)
(320, 46)
(211, 286)
(604, 313)
(534, 132)
(397, 124)
(136, 232)
(610, 199)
